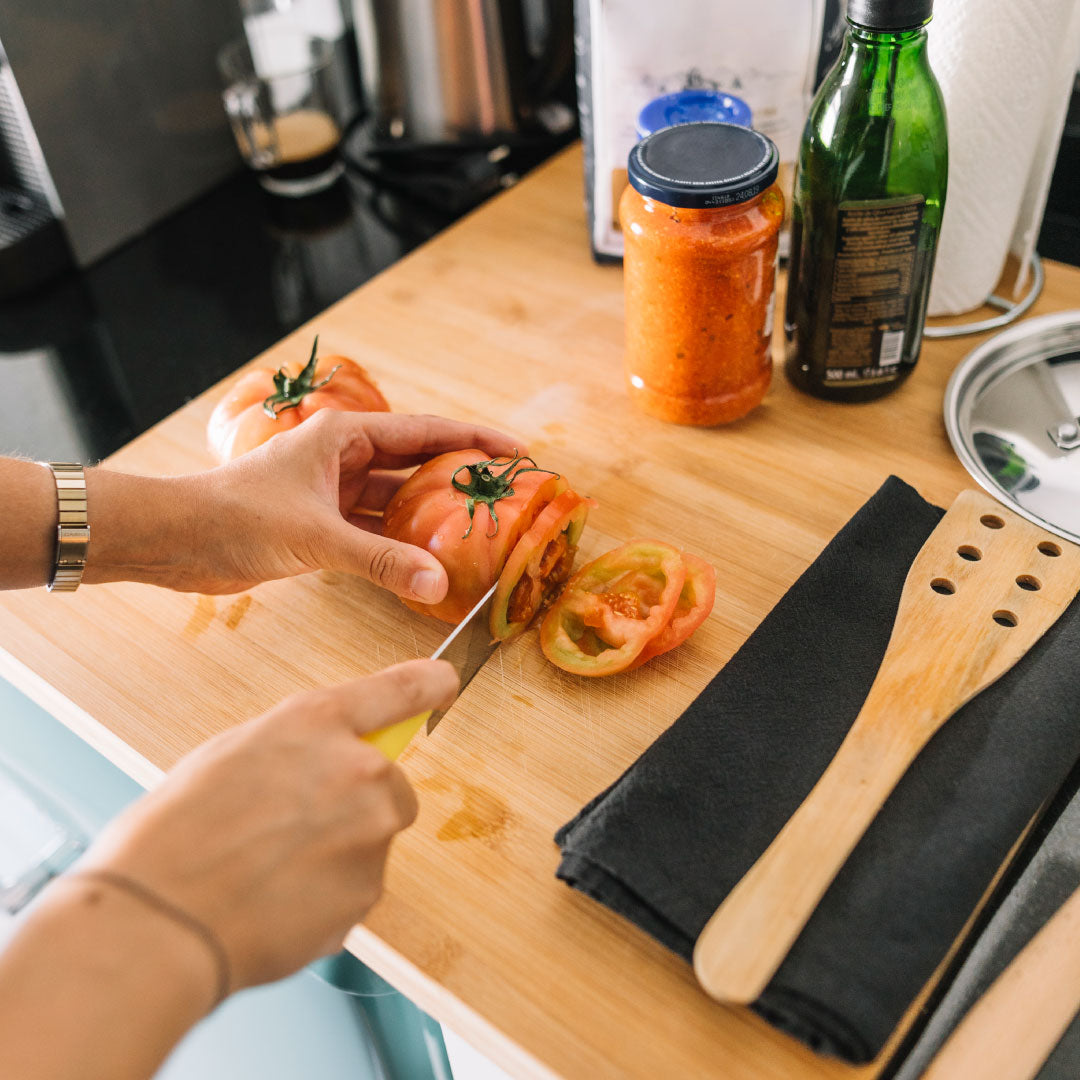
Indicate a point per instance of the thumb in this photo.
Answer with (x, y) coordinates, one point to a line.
(404, 569)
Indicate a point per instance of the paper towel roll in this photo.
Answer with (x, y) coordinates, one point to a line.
(1005, 69)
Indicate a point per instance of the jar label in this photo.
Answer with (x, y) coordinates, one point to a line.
(877, 243)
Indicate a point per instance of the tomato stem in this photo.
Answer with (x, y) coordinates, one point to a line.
(289, 392)
(488, 487)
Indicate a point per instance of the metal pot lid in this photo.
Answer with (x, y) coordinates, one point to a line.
(1012, 410)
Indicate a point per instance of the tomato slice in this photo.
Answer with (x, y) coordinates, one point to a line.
(691, 609)
(612, 607)
(539, 564)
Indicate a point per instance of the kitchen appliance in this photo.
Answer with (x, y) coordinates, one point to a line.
(123, 101)
(981, 592)
(33, 247)
(436, 72)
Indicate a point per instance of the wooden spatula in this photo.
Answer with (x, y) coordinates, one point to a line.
(982, 590)
(1013, 1028)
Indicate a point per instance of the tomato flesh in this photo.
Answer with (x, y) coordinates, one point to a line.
(539, 564)
(691, 609)
(611, 608)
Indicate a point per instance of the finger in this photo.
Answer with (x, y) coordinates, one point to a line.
(378, 491)
(400, 442)
(396, 693)
(404, 569)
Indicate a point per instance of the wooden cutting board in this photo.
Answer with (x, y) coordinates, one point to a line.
(505, 319)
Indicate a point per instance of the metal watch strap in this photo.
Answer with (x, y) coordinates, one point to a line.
(72, 527)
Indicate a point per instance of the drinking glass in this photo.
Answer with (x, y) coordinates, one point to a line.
(280, 99)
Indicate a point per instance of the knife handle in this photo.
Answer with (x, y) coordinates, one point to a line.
(392, 740)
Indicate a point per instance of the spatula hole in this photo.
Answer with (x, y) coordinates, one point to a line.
(992, 521)
(943, 586)
(972, 554)
(1050, 549)
(1005, 618)
(1031, 584)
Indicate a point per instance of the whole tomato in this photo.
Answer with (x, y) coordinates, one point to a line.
(470, 512)
(263, 402)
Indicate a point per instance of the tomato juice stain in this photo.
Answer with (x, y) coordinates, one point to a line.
(237, 611)
(201, 617)
(482, 816)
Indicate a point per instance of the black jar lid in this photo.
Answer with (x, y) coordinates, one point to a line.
(703, 164)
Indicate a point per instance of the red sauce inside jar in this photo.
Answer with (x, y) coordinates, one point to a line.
(699, 279)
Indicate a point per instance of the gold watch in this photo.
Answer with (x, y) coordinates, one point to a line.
(72, 527)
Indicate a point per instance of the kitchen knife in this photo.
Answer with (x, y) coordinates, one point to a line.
(468, 645)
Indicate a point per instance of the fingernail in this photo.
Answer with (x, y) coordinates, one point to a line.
(425, 585)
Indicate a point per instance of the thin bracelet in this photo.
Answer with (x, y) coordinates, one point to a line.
(165, 907)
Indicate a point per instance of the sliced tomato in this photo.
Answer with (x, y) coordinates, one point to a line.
(691, 609)
(539, 564)
(469, 512)
(611, 608)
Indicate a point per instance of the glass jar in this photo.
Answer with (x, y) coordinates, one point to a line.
(701, 218)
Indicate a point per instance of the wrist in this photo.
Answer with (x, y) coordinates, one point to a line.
(93, 986)
(136, 943)
(141, 528)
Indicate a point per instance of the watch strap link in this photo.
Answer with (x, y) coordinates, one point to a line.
(72, 526)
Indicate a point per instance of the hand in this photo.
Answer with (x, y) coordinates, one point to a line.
(308, 499)
(275, 834)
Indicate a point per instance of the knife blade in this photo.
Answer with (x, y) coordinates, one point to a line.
(467, 647)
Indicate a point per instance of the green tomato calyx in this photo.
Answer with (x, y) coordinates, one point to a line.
(289, 392)
(488, 487)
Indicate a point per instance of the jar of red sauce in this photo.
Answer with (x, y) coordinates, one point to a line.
(700, 220)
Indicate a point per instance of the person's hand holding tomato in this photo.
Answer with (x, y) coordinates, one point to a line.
(308, 499)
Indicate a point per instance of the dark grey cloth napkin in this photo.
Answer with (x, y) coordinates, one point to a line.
(1048, 879)
(669, 839)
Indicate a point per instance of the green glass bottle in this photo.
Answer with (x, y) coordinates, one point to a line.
(869, 194)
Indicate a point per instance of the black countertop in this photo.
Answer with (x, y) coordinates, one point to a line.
(97, 357)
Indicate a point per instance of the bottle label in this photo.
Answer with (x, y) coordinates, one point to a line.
(877, 243)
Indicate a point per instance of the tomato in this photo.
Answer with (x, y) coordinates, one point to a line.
(263, 402)
(612, 607)
(469, 512)
(691, 609)
(539, 564)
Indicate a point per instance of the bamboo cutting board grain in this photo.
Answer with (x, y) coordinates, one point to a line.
(505, 319)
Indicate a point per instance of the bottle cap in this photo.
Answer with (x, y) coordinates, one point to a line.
(688, 106)
(703, 164)
(890, 14)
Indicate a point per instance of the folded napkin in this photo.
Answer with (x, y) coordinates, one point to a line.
(1046, 881)
(670, 838)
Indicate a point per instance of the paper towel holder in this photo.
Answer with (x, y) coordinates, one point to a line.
(1011, 311)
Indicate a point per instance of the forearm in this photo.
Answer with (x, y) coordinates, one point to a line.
(141, 528)
(97, 985)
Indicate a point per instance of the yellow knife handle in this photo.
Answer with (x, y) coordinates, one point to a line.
(393, 740)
